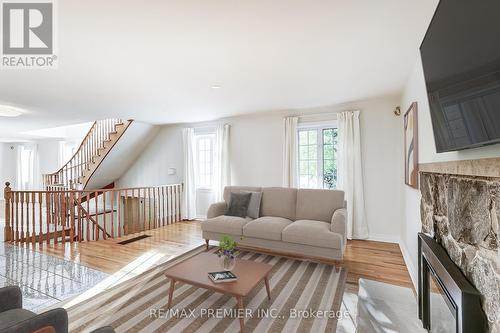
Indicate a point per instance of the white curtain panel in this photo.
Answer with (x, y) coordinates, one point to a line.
(222, 172)
(350, 173)
(189, 195)
(290, 151)
(28, 176)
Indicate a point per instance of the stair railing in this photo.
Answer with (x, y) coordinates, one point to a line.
(70, 175)
(60, 216)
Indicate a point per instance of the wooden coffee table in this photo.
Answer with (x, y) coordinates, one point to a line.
(194, 271)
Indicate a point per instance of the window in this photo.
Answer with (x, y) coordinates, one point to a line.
(317, 157)
(204, 160)
(27, 167)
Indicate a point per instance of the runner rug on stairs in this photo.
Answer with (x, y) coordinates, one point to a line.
(306, 297)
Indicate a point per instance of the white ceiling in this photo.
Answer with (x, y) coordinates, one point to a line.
(156, 61)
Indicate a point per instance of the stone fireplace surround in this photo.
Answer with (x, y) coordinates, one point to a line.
(460, 208)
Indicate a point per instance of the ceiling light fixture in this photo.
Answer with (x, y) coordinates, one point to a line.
(9, 111)
(215, 86)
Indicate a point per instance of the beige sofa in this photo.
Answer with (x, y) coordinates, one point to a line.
(303, 222)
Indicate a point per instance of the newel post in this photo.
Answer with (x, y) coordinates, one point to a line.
(8, 223)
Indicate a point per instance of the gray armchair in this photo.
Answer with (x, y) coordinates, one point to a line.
(15, 319)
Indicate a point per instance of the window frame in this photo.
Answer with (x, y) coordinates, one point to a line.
(198, 138)
(319, 127)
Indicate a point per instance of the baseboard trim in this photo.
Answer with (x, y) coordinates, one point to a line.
(384, 238)
(409, 265)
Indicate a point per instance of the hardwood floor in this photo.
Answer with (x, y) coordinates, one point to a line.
(109, 256)
(368, 259)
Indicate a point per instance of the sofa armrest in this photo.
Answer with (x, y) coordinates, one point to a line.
(10, 298)
(339, 221)
(55, 320)
(217, 209)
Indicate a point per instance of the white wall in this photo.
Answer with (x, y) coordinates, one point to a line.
(7, 165)
(163, 152)
(415, 91)
(48, 152)
(256, 157)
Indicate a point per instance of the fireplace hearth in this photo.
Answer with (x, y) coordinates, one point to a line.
(448, 302)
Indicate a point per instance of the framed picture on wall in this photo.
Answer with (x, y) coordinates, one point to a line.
(411, 146)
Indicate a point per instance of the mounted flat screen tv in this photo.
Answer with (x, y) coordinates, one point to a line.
(461, 62)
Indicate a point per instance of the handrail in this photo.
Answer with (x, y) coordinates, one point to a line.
(79, 147)
(71, 173)
(87, 215)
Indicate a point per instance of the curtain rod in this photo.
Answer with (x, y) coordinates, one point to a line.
(319, 114)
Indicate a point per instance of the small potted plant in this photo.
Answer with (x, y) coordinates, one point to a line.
(227, 252)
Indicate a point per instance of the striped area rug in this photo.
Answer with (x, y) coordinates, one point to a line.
(306, 297)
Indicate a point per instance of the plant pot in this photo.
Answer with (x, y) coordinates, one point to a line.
(227, 263)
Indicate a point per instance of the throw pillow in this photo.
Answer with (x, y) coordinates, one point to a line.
(254, 205)
(238, 204)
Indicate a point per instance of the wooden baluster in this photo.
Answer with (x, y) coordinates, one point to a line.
(149, 206)
(154, 207)
(162, 215)
(169, 207)
(33, 215)
(55, 216)
(138, 210)
(64, 215)
(174, 203)
(118, 215)
(174, 189)
(71, 173)
(26, 225)
(48, 215)
(159, 204)
(112, 213)
(72, 216)
(104, 214)
(22, 216)
(96, 217)
(12, 216)
(17, 216)
(40, 222)
(178, 207)
(79, 216)
(125, 214)
(7, 194)
(144, 208)
(87, 215)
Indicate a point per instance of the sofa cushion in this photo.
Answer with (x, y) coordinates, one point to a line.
(266, 227)
(318, 205)
(231, 225)
(11, 317)
(238, 205)
(279, 201)
(309, 232)
(254, 205)
(238, 189)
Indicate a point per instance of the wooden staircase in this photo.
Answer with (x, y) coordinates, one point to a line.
(78, 204)
(97, 143)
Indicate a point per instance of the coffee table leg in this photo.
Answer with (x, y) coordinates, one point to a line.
(242, 318)
(171, 292)
(266, 280)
